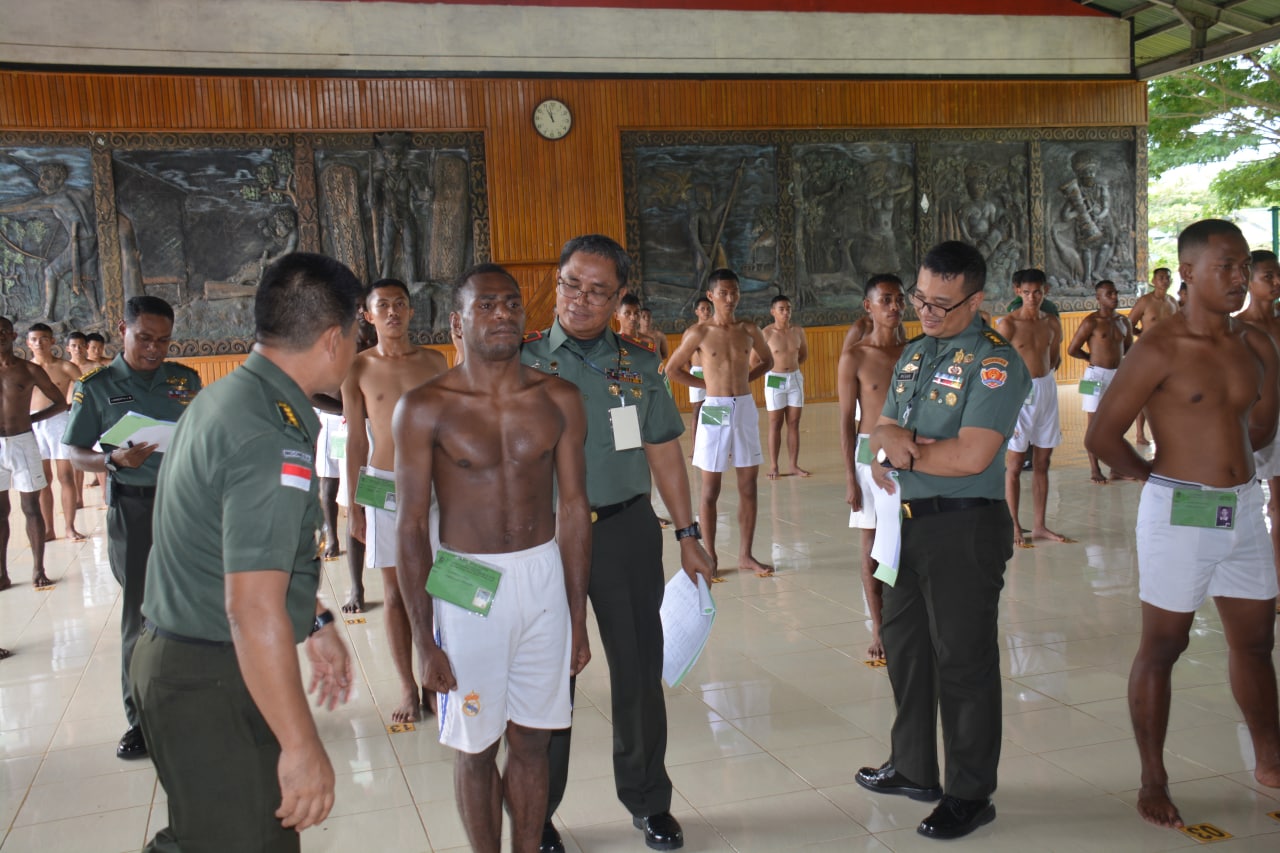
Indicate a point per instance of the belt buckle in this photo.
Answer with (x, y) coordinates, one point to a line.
(906, 509)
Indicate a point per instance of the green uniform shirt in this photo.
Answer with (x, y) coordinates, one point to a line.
(105, 395)
(238, 493)
(975, 379)
(610, 371)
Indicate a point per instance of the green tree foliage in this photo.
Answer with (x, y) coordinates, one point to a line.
(1209, 113)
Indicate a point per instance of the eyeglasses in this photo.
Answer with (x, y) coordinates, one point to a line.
(932, 310)
(573, 292)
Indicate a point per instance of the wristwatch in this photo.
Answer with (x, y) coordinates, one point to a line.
(109, 464)
(692, 531)
(324, 617)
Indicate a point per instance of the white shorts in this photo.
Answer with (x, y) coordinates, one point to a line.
(1101, 375)
(380, 530)
(864, 518)
(737, 438)
(789, 394)
(1179, 567)
(21, 467)
(331, 427)
(1038, 419)
(512, 665)
(697, 395)
(48, 433)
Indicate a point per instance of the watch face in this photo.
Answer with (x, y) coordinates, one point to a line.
(552, 119)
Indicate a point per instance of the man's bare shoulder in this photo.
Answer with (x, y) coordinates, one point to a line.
(1259, 338)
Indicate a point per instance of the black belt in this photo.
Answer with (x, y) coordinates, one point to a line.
(600, 513)
(133, 491)
(918, 507)
(195, 641)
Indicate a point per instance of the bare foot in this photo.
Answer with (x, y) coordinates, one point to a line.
(1019, 541)
(875, 651)
(75, 535)
(1116, 476)
(50, 536)
(5, 583)
(1097, 478)
(408, 709)
(1046, 533)
(1155, 806)
(773, 473)
(4, 653)
(332, 554)
(40, 580)
(751, 564)
(801, 472)
(79, 503)
(1268, 775)
(1142, 439)
(355, 604)
(429, 698)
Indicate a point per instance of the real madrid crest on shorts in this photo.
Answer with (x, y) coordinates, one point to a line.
(471, 704)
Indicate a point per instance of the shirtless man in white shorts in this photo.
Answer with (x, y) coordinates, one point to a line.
(378, 379)
(1102, 340)
(784, 384)
(1038, 339)
(20, 463)
(733, 354)
(1150, 310)
(497, 440)
(703, 310)
(863, 379)
(1264, 290)
(1209, 384)
(49, 432)
(331, 462)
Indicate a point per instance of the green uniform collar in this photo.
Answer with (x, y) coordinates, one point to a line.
(293, 405)
(558, 337)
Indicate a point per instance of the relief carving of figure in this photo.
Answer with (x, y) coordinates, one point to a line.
(1085, 232)
(397, 191)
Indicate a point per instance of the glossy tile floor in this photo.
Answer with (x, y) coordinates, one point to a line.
(766, 733)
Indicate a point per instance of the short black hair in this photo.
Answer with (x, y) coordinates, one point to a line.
(1164, 270)
(136, 306)
(644, 310)
(461, 282)
(953, 258)
(94, 337)
(76, 336)
(781, 297)
(1197, 234)
(1032, 275)
(1262, 256)
(386, 282)
(1105, 282)
(601, 246)
(39, 327)
(721, 274)
(300, 296)
(629, 299)
(879, 279)
(702, 299)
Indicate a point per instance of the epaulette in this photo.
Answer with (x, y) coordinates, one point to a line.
(531, 336)
(94, 372)
(918, 337)
(185, 367)
(994, 337)
(645, 344)
(288, 415)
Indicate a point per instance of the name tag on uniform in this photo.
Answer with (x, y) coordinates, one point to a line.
(626, 427)
(374, 491)
(1203, 508)
(462, 581)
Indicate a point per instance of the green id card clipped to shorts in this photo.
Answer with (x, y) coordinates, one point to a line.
(468, 583)
(714, 415)
(773, 380)
(377, 492)
(864, 451)
(1090, 387)
(1203, 508)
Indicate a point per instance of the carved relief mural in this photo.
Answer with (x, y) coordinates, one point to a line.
(87, 222)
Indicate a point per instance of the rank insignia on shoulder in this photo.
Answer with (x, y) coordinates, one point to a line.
(646, 345)
(531, 336)
(288, 415)
(94, 372)
(994, 337)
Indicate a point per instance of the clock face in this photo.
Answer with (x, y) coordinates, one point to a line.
(552, 119)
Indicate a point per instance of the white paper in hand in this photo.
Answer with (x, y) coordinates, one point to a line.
(687, 615)
(887, 547)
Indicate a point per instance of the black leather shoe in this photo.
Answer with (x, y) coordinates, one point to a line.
(132, 745)
(551, 840)
(661, 831)
(954, 818)
(886, 780)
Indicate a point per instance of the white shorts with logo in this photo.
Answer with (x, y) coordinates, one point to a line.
(697, 395)
(48, 433)
(331, 427)
(1038, 419)
(737, 439)
(1101, 375)
(512, 665)
(1179, 567)
(21, 467)
(864, 518)
(789, 394)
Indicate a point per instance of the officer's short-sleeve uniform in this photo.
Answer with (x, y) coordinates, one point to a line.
(939, 619)
(100, 399)
(237, 493)
(626, 552)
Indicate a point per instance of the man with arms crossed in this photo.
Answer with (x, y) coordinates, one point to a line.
(733, 354)
(502, 444)
(1102, 339)
(379, 377)
(95, 349)
(944, 432)
(703, 310)
(49, 431)
(78, 354)
(1038, 339)
(863, 379)
(20, 465)
(1209, 383)
(1150, 310)
(1264, 290)
(784, 384)
(623, 451)
(232, 581)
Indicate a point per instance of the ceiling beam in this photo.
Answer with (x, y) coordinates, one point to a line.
(1188, 10)
(1217, 49)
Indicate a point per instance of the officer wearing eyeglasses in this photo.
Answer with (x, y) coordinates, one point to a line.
(952, 404)
(633, 431)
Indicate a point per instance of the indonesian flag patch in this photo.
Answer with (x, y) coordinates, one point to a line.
(295, 476)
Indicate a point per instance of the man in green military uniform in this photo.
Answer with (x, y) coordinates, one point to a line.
(137, 380)
(952, 404)
(633, 430)
(232, 580)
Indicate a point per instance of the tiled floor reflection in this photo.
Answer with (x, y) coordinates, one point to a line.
(765, 734)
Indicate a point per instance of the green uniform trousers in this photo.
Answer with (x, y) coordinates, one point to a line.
(626, 594)
(128, 547)
(214, 753)
(939, 631)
